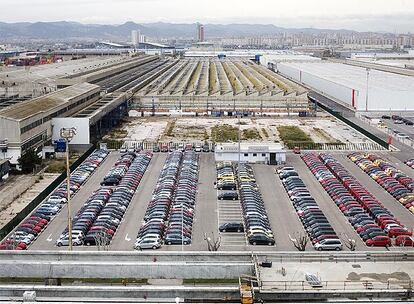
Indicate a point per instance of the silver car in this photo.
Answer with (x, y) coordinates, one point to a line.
(149, 243)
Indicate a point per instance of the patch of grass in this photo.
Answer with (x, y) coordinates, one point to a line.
(293, 134)
(224, 133)
(206, 137)
(242, 123)
(170, 130)
(264, 131)
(211, 281)
(57, 166)
(251, 134)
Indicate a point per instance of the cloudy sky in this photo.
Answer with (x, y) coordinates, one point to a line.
(363, 15)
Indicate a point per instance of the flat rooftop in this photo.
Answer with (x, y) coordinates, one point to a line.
(249, 147)
(45, 103)
(355, 77)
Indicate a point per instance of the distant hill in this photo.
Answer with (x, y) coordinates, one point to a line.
(64, 30)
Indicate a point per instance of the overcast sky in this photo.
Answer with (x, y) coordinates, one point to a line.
(363, 15)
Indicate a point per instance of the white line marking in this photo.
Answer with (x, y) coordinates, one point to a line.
(127, 238)
(49, 238)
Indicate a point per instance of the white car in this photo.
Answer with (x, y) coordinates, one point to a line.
(64, 241)
(402, 135)
(57, 200)
(198, 148)
(329, 244)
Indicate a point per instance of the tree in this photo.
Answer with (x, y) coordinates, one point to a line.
(213, 244)
(300, 241)
(29, 160)
(348, 242)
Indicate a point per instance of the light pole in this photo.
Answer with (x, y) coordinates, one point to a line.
(366, 95)
(67, 134)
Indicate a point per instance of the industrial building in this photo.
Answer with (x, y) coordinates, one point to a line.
(93, 101)
(264, 153)
(29, 124)
(212, 84)
(354, 87)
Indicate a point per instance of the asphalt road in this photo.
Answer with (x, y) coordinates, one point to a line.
(335, 217)
(127, 231)
(205, 221)
(281, 213)
(47, 239)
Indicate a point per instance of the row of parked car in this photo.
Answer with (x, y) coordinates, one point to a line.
(394, 181)
(320, 231)
(151, 232)
(97, 220)
(168, 147)
(227, 182)
(384, 219)
(256, 221)
(351, 198)
(32, 226)
(410, 163)
(226, 178)
(181, 218)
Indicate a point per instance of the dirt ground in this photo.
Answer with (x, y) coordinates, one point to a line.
(8, 208)
(323, 129)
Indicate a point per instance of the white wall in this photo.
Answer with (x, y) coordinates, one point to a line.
(82, 136)
(226, 156)
(324, 86)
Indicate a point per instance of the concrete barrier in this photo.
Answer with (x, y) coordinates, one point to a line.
(116, 269)
(204, 256)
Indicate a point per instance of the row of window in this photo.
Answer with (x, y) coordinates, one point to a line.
(35, 140)
(254, 154)
(57, 113)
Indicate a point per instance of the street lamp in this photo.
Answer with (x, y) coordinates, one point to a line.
(67, 134)
(366, 96)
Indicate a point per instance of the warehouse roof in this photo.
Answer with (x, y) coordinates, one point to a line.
(355, 77)
(45, 103)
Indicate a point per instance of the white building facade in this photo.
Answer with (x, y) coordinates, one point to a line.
(260, 153)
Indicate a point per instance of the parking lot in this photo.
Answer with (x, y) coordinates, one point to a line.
(210, 212)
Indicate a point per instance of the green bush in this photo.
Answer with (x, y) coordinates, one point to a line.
(251, 134)
(293, 134)
(224, 133)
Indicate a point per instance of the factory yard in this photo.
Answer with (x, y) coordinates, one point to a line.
(210, 212)
(321, 129)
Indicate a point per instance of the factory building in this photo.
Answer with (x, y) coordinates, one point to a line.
(255, 153)
(357, 88)
(29, 124)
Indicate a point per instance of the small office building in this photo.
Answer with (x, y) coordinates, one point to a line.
(259, 153)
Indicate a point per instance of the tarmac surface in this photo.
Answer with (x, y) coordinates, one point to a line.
(210, 213)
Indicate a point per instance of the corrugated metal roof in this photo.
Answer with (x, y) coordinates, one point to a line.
(35, 106)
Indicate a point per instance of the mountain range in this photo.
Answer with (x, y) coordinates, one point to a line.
(64, 30)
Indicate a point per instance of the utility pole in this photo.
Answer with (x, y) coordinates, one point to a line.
(366, 99)
(68, 134)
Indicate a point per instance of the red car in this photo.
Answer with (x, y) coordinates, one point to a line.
(365, 227)
(381, 241)
(404, 241)
(398, 231)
